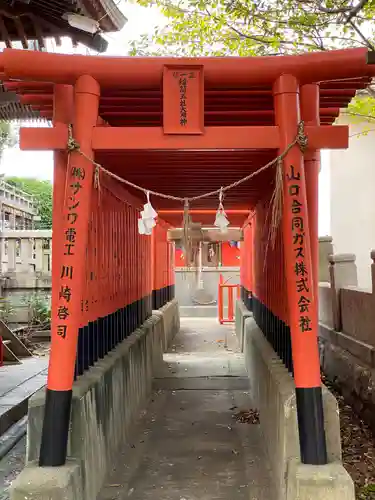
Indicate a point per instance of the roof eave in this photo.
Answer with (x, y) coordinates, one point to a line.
(110, 16)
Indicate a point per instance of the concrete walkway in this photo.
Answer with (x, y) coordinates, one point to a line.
(187, 444)
(17, 384)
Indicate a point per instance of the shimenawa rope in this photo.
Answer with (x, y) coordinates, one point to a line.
(300, 140)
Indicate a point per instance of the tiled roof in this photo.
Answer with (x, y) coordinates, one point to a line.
(34, 21)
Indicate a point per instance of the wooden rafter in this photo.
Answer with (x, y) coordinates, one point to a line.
(4, 33)
(36, 20)
(21, 31)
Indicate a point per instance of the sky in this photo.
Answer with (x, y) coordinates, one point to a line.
(39, 164)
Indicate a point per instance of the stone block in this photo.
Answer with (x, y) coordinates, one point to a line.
(323, 482)
(242, 313)
(170, 317)
(325, 250)
(328, 334)
(48, 483)
(34, 424)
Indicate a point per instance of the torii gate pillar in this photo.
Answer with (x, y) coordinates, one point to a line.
(301, 300)
(310, 115)
(71, 234)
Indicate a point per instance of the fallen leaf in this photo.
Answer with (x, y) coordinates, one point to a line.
(247, 416)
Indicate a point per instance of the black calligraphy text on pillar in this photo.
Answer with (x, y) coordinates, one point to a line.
(65, 293)
(298, 230)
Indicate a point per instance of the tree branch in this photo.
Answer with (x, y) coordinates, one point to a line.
(364, 132)
(357, 30)
(258, 38)
(285, 26)
(356, 10)
(338, 10)
(350, 113)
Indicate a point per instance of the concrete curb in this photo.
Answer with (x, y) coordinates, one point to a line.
(57, 483)
(323, 482)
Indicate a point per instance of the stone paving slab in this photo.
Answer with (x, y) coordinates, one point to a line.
(199, 335)
(17, 384)
(202, 383)
(11, 376)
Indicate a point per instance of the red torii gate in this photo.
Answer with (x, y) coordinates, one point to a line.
(181, 127)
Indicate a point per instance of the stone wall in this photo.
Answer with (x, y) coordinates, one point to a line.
(25, 263)
(347, 335)
(358, 314)
(107, 400)
(26, 251)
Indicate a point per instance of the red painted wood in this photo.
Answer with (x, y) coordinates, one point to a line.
(183, 103)
(138, 72)
(296, 241)
(230, 255)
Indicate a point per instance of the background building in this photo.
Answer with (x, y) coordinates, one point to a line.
(352, 192)
(17, 208)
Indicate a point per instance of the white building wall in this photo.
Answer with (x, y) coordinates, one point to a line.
(324, 194)
(352, 188)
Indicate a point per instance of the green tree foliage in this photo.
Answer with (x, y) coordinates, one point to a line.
(258, 27)
(363, 107)
(42, 191)
(261, 27)
(8, 137)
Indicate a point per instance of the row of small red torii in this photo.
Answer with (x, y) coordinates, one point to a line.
(78, 81)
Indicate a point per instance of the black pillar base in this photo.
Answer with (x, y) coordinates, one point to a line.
(53, 448)
(311, 426)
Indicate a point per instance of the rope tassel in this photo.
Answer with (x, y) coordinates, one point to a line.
(72, 144)
(221, 220)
